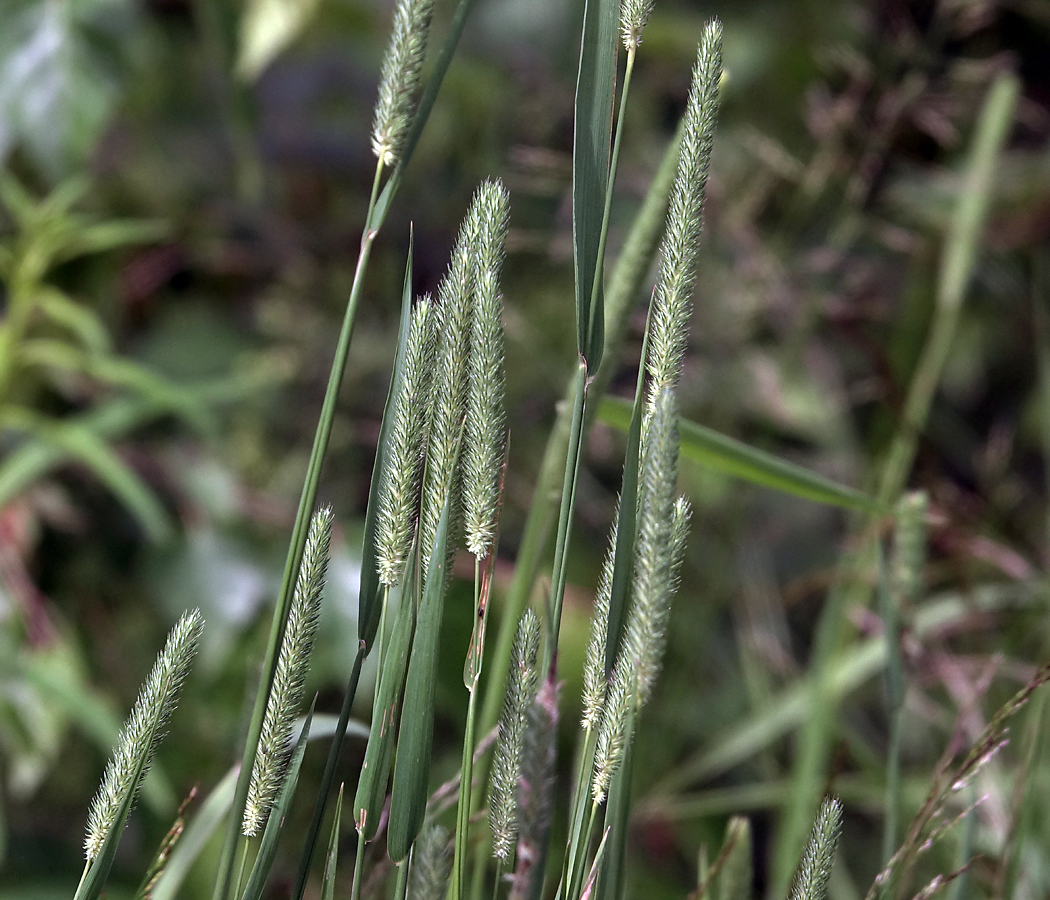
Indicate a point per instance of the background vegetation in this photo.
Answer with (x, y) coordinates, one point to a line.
(208, 174)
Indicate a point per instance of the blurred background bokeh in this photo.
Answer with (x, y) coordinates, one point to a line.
(193, 175)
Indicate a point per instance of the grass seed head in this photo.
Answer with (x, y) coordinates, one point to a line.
(594, 679)
(684, 217)
(818, 859)
(403, 469)
(486, 420)
(634, 16)
(431, 865)
(293, 663)
(399, 81)
(507, 757)
(143, 730)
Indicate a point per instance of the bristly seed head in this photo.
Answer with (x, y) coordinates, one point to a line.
(143, 730)
(485, 427)
(403, 464)
(455, 298)
(684, 217)
(399, 81)
(818, 859)
(293, 663)
(594, 680)
(659, 549)
(634, 16)
(506, 760)
(431, 865)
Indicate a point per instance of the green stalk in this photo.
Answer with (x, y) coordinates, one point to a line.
(295, 552)
(581, 794)
(466, 768)
(565, 515)
(359, 859)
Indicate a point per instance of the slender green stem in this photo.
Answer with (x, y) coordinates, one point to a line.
(577, 885)
(240, 868)
(329, 775)
(568, 506)
(581, 794)
(295, 552)
(401, 886)
(893, 786)
(459, 875)
(604, 235)
(495, 884)
(359, 864)
(466, 769)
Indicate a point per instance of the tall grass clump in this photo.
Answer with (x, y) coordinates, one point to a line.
(437, 488)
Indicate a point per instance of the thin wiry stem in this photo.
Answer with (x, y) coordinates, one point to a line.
(143, 730)
(290, 677)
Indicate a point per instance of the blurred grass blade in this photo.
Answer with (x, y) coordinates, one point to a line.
(375, 770)
(813, 750)
(84, 446)
(725, 454)
(730, 876)
(332, 861)
(76, 318)
(253, 890)
(196, 837)
(592, 145)
(414, 743)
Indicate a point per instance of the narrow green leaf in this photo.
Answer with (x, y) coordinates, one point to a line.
(412, 768)
(332, 862)
(77, 318)
(592, 145)
(275, 823)
(709, 448)
(196, 837)
(627, 515)
(375, 770)
(370, 607)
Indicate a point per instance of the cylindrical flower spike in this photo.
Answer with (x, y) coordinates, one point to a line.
(403, 471)
(634, 16)
(674, 287)
(506, 760)
(485, 425)
(399, 81)
(142, 731)
(289, 678)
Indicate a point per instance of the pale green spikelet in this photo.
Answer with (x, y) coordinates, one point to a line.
(674, 287)
(431, 865)
(455, 296)
(507, 760)
(614, 726)
(536, 790)
(594, 680)
(661, 530)
(485, 428)
(909, 548)
(143, 730)
(634, 16)
(399, 81)
(289, 678)
(814, 869)
(403, 468)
